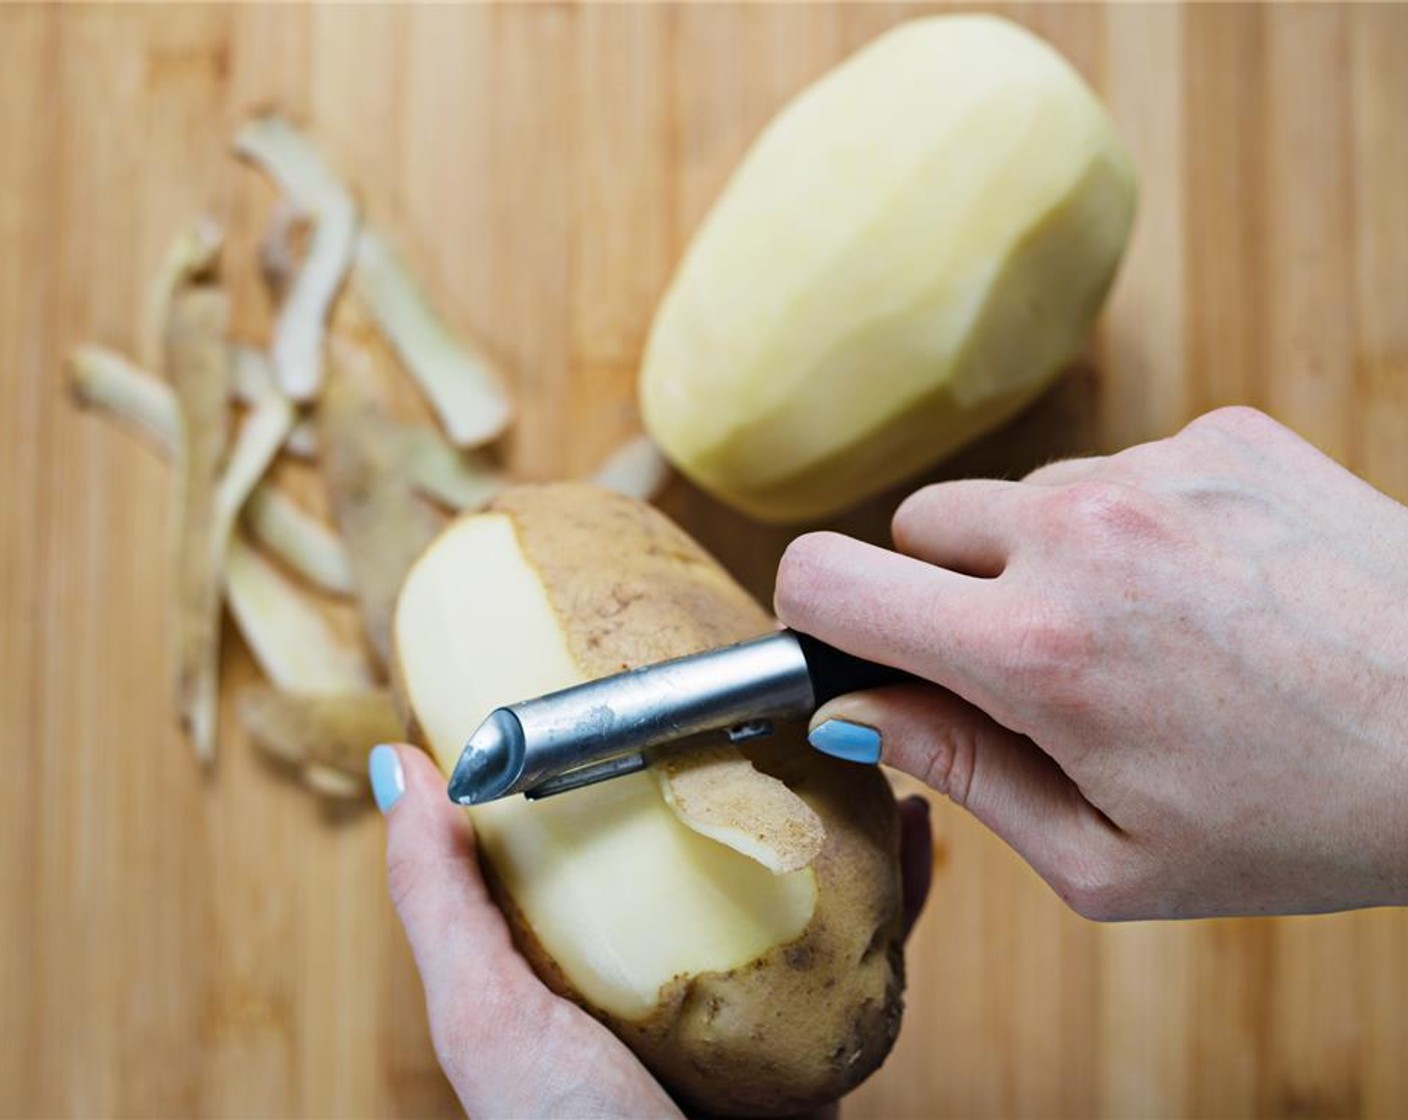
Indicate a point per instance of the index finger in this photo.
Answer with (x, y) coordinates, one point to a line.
(892, 609)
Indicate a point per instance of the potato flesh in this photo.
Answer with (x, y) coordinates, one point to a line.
(618, 892)
(909, 253)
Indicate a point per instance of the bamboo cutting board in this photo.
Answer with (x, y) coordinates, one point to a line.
(178, 945)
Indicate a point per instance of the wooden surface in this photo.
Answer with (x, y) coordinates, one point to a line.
(177, 945)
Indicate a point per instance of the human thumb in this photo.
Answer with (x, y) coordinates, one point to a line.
(1002, 778)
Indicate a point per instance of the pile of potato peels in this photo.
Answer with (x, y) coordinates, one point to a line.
(350, 319)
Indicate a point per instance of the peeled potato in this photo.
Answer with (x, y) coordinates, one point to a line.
(910, 252)
(745, 991)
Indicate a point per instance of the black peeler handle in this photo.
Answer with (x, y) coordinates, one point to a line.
(835, 673)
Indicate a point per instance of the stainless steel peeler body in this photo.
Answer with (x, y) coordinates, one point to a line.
(604, 728)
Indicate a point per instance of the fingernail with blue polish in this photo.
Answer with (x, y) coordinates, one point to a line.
(853, 742)
(388, 779)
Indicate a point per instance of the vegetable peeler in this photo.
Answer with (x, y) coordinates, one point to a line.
(603, 729)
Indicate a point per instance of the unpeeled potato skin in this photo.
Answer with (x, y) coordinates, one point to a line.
(810, 1019)
(628, 585)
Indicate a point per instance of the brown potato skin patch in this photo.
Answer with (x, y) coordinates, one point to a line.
(809, 1020)
(629, 585)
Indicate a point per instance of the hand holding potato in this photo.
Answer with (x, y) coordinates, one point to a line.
(1174, 679)
(508, 1045)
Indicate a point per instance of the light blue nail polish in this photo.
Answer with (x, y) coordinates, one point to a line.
(853, 742)
(388, 779)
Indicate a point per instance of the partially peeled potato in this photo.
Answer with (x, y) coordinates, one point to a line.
(746, 990)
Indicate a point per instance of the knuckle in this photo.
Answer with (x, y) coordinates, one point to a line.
(1107, 512)
(951, 763)
(405, 878)
(1104, 878)
(1235, 420)
(1096, 504)
(910, 514)
(1052, 471)
(1048, 645)
(1148, 460)
(1090, 888)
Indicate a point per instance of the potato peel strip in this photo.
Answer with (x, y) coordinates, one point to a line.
(334, 729)
(194, 253)
(287, 634)
(103, 379)
(384, 525)
(457, 480)
(461, 383)
(199, 366)
(716, 792)
(637, 469)
(287, 157)
(299, 540)
(263, 433)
